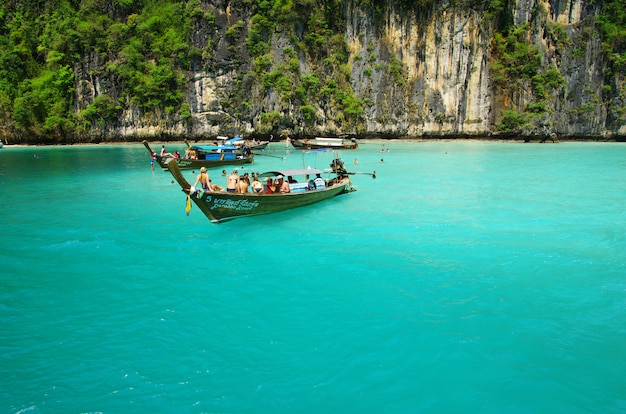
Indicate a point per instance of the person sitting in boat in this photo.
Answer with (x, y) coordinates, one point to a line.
(270, 187)
(257, 186)
(164, 152)
(190, 154)
(244, 183)
(232, 183)
(204, 180)
(282, 186)
(177, 154)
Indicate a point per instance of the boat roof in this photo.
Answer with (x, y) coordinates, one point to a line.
(226, 139)
(212, 147)
(328, 139)
(291, 173)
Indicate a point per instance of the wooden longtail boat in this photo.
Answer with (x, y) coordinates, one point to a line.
(206, 159)
(339, 143)
(221, 206)
(240, 143)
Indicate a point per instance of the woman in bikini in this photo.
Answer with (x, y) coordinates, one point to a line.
(203, 178)
(257, 186)
(232, 184)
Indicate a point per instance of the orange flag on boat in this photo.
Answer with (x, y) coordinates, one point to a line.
(188, 206)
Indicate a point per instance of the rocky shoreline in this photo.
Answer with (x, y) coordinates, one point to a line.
(490, 138)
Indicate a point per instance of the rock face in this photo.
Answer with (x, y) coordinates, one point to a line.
(444, 89)
(431, 74)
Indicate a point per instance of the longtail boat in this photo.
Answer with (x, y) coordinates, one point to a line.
(338, 143)
(203, 156)
(219, 206)
(239, 143)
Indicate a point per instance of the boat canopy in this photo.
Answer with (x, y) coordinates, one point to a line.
(213, 147)
(229, 140)
(328, 139)
(291, 173)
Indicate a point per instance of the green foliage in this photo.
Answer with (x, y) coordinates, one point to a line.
(310, 82)
(235, 30)
(308, 112)
(294, 65)
(351, 105)
(42, 45)
(512, 121)
(513, 57)
(549, 80)
(44, 103)
(103, 107)
(271, 119)
(536, 108)
(262, 25)
(263, 63)
(395, 69)
(612, 24)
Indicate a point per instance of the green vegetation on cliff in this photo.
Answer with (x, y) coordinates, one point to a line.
(144, 48)
(72, 69)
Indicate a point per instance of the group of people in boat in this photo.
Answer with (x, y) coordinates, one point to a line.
(164, 153)
(190, 154)
(243, 184)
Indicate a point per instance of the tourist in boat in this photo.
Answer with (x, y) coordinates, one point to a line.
(190, 154)
(282, 186)
(204, 180)
(257, 186)
(164, 152)
(232, 183)
(244, 183)
(270, 187)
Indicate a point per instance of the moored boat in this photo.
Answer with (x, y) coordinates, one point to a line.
(221, 206)
(240, 143)
(204, 156)
(337, 143)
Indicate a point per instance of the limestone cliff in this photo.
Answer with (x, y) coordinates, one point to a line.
(430, 76)
(394, 68)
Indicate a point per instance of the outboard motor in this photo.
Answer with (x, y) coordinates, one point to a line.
(337, 166)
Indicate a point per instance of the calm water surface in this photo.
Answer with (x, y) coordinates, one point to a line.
(468, 277)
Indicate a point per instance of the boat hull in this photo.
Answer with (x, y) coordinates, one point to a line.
(259, 147)
(311, 145)
(207, 160)
(223, 206)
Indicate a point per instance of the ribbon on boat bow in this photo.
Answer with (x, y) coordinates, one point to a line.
(188, 204)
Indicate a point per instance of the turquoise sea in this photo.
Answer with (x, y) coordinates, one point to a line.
(469, 277)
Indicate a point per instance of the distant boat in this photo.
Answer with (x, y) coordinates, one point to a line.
(220, 206)
(335, 143)
(239, 142)
(204, 156)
